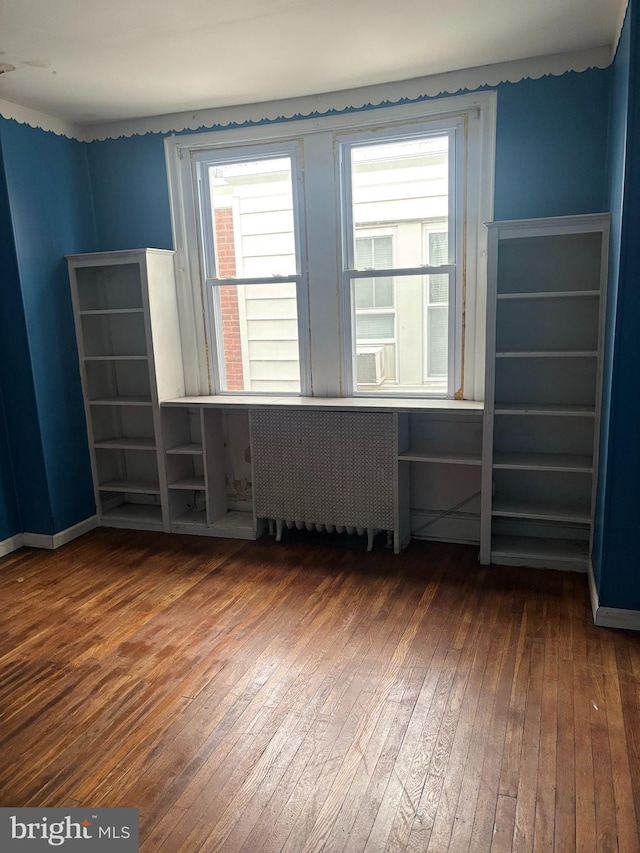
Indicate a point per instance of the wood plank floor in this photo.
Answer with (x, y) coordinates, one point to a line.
(305, 696)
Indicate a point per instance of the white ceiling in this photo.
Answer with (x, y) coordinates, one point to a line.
(92, 61)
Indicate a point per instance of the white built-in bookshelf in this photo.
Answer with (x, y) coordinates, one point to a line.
(515, 475)
(198, 478)
(439, 474)
(546, 297)
(125, 368)
(153, 468)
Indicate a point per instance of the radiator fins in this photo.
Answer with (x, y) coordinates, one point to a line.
(319, 527)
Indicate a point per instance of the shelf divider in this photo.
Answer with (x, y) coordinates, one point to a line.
(443, 457)
(544, 462)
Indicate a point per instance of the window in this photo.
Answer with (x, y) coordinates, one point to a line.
(338, 256)
(251, 255)
(407, 183)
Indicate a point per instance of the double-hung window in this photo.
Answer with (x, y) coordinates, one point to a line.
(252, 258)
(337, 256)
(405, 179)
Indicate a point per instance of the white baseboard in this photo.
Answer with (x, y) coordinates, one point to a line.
(11, 544)
(616, 617)
(611, 617)
(593, 592)
(40, 540)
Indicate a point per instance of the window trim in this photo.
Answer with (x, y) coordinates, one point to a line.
(327, 344)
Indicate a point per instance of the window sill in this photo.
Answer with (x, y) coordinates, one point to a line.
(347, 404)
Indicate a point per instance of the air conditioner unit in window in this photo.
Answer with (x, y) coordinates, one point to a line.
(370, 365)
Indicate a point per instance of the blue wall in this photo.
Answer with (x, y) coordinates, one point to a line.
(617, 152)
(51, 214)
(550, 160)
(617, 562)
(551, 144)
(22, 457)
(10, 523)
(131, 194)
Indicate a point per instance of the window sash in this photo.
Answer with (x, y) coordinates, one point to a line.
(454, 130)
(203, 161)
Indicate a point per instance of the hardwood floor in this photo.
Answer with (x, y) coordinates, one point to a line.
(304, 696)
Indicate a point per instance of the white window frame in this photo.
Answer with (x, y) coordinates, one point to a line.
(327, 321)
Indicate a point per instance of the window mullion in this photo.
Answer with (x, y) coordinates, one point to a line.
(322, 217)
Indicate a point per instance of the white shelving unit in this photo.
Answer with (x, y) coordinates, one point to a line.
(129, 349)
(439, 474)
(164, 461)
(519, 479)
(546, 297)
(196, 466)
(431, 449)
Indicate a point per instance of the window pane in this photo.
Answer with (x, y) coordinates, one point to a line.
(374, 252)
(400, 185)
(364, 293)
(252, 213)
(364, 253)
(438, 288)
(374, 292)
(406, 348)
(258, 328)
(437, 341)
(383, 292)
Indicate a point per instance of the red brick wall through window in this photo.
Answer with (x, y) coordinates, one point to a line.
(226, 260)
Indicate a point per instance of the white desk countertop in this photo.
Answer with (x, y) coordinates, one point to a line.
(350, 404)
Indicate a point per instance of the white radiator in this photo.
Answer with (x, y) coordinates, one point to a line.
(324, 470)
